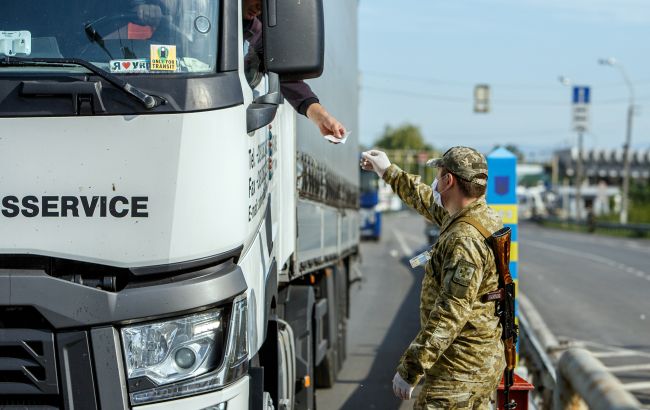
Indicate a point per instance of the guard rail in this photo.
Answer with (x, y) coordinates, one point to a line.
(566, 377)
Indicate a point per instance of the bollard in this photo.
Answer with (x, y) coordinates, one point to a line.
(519, 393)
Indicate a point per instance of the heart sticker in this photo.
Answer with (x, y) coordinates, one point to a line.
(126, 64)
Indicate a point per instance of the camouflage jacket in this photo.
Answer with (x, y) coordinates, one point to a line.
(460, 336)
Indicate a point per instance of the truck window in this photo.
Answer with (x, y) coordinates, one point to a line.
(120, 36)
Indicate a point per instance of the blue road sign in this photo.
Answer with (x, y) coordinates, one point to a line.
(581, 95)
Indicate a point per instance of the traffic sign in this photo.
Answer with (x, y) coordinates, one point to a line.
(482, 98)
(581, 98)
(581, 95)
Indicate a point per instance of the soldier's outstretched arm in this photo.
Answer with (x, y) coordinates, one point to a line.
(462, 276)
(414, 193)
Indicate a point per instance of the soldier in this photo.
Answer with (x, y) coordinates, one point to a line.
(458, 350)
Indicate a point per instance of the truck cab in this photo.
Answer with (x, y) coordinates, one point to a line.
(149, 204)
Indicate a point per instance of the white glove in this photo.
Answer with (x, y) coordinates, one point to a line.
(374, 160)
(401, 388)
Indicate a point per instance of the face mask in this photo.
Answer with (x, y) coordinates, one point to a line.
(436, 195)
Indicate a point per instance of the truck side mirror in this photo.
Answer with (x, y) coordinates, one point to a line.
(294, 38)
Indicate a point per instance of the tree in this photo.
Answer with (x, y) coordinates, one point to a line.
(406, 136)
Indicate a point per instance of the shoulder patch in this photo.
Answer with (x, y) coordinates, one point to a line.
(464, 273)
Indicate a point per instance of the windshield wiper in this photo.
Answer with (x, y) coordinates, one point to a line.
(149, 101)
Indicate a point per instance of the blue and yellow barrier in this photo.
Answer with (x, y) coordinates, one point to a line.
(502, 197)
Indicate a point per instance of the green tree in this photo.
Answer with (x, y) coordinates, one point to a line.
(406, 136)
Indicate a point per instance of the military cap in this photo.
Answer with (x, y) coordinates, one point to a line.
(464, 162)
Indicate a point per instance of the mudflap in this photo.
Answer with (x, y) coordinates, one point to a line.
(298, 304)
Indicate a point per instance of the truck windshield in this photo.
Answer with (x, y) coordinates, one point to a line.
(155, 37)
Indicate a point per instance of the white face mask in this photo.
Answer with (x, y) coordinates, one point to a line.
(436, 195)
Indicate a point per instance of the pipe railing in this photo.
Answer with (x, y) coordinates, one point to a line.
(566, 377)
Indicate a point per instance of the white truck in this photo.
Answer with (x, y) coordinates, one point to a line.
(172, 237)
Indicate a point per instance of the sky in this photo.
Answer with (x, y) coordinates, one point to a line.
(419, 61)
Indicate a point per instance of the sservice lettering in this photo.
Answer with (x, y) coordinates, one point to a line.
(49, 206)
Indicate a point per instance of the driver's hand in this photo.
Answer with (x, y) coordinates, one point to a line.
(326, 123)
(148, 14)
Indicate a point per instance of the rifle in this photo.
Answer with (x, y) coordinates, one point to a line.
(500, 244)
(505, 298)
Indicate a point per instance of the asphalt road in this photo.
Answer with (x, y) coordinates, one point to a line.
(384, 319)
(592, 290)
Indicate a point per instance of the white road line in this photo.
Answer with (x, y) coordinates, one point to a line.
(402, 243)
(614, 353)
(636, 386)
(620, 352)
(583, 255)
(629, 368)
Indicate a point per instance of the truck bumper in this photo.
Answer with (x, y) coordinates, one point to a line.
(76, 330)
(234, 396)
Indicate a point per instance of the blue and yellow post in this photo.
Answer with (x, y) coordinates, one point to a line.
(502, 197)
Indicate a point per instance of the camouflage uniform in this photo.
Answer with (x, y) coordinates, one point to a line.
(458, 349)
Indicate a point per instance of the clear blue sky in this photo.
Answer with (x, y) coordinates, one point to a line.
(420, 59)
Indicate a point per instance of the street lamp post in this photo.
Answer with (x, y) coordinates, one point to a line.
(628, 137)
(579, 165)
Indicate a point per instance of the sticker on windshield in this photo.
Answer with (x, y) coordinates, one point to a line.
(129, 66)
(14, 43)
(163, 58)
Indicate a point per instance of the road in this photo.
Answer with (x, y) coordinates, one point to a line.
(592, 290)
(384, 319)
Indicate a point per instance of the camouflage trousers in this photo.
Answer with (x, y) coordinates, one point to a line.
(454, 395)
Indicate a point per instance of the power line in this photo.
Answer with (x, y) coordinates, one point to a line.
(496, 101)
(454, 83)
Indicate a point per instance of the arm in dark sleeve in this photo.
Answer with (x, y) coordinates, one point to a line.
(299, 95)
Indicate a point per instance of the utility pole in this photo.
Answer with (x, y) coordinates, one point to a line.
(579, 177)
(625, 203)
(625, 200)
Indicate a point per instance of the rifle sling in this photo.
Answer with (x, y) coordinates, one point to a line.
(476, 224)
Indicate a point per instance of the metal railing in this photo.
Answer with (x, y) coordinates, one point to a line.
(582, 377)
(566, 377)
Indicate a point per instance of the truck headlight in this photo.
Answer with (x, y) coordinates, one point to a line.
(186, 356)
(173, 350)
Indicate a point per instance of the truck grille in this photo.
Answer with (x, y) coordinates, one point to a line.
(27, 367)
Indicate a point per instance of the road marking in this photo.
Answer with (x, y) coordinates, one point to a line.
(402, 243)
(627, 352)
(629, 368)
(588, 256)
(603, 241)
(636, 386)
(614, 353)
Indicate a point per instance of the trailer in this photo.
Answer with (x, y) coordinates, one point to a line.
(173, 235)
